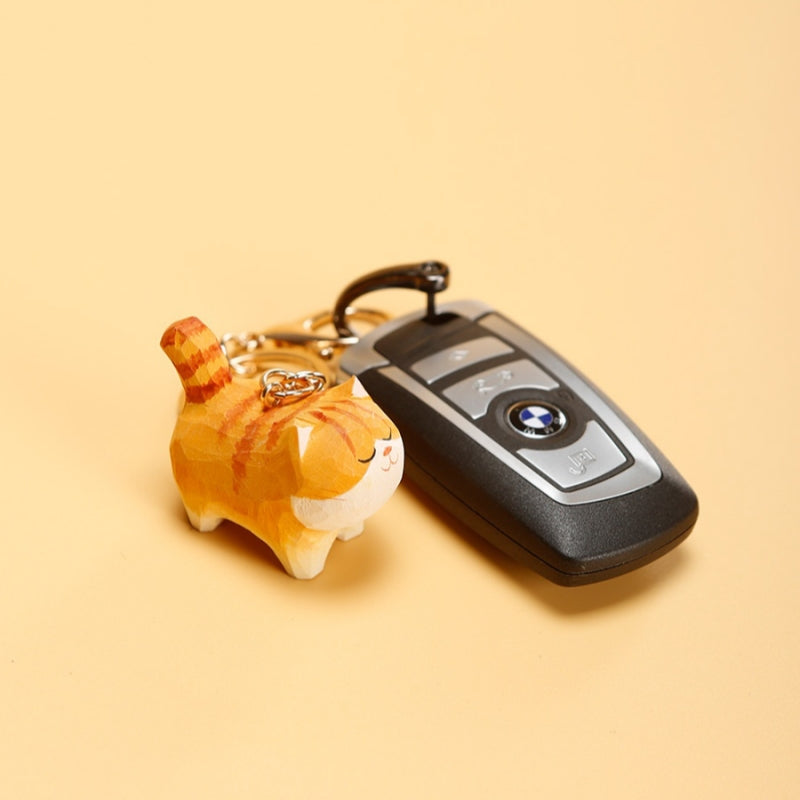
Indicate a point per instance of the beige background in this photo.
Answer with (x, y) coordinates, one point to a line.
(622, 178)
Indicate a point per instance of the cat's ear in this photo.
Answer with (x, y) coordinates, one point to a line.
(352, 387)
(357, 388)
(303, 437)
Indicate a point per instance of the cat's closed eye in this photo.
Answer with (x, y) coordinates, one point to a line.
(388, 438)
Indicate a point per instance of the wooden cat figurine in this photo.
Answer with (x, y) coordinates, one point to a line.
(298, 476)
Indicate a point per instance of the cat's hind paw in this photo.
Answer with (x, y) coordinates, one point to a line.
(202, 522)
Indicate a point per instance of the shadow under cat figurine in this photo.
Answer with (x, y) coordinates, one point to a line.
(298, 476)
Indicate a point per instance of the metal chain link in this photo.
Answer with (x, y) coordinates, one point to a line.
(280, 386)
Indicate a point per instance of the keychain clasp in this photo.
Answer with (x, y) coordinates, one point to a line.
(308, 350)
(430, 277)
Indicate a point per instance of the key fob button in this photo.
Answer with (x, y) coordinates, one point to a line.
(474, 394)
(592, 456)
(465, 354)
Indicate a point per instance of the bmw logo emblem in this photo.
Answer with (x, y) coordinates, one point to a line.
(536, 419)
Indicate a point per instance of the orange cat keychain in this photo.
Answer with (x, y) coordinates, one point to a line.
(295, 463)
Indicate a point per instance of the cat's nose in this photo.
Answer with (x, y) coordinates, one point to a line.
(387, 450)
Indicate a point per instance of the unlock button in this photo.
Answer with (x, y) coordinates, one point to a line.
(432, 368)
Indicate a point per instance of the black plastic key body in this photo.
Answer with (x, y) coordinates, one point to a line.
(522, 448)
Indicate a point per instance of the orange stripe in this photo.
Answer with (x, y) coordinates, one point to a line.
(187, 327)
(200, 392)
(236, 412)
(356, 417)
(267, 420)
(190, 327)
(289, 414)
(244, 449)
(340, 429)
(188, 366)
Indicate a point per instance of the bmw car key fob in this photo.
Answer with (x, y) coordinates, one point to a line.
(513, 440)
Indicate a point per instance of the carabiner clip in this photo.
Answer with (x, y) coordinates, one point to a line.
(430, 277)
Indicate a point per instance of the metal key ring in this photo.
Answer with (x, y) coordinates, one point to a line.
(253, 354)
(329, 345)
(250, 365)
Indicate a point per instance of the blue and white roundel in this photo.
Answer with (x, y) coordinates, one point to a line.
(537, 417)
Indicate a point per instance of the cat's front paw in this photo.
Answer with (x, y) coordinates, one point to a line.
(345, 534)
(305, 556)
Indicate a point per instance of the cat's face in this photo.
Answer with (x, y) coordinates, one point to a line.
(344, 441)
(379, 473)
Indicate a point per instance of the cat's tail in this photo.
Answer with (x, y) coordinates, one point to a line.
(198, 357)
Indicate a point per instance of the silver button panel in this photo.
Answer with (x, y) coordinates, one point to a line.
(643, 472)
(589, 454)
